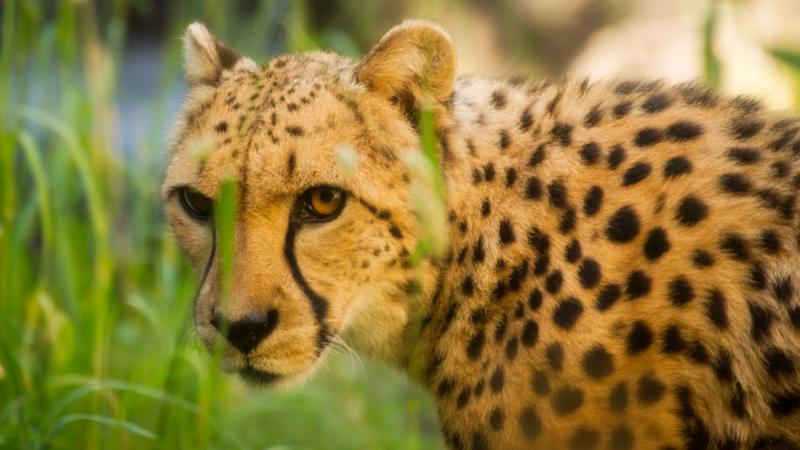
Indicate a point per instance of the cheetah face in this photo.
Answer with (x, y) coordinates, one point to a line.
(314, 145)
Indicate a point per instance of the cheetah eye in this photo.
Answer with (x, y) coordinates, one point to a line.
(322, 203)
(195, 204)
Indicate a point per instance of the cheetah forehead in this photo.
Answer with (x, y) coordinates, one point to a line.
(295, 121)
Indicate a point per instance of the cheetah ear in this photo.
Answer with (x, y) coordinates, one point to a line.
(413, 60)
(205, 57)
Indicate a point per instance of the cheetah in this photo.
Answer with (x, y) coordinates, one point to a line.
(621, 267)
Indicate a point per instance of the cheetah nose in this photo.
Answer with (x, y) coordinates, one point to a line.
(246, 333)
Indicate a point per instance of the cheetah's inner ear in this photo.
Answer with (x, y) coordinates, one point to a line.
(413, 60)
(205, 56)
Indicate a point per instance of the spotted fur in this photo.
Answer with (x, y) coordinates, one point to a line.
(623, 265)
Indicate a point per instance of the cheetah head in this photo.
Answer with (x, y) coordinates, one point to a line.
(315, 145)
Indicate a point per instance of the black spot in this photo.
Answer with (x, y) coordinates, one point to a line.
(608, 295)
(463, 398)
(786, 403)
(500, 329)
(505, 139)
(533, 188)
(636, 173)
(593, 201)
(656, 244)
(637, 285)
(723, 367)
(517, 276)
(589, 273)
(537, 156)
(677, 166)
(622, 109)
(479, 441)
(744, 128)
(541, 264)
(568, 221)
(650, 390)
(295, 130)
(698, 352)
(445, 387)
(486, 208)
(538, 240)
(639, 338)
(680, 291)
(555, 356)
(716, 310)
(506, 232)
(593, 117)
(488, 172)
(770, 241)
(794, 318)
(597, 362)
(761, 319)
(656, 103)
(672, 341)
(735, 183)
(478, 391)
(498, 380)
(584, 439)
(778, 363)
(221, 127)
(783, 289)
(567, 313)
(573, 252)
(476, 344)
(691, 211)
(539, 383)
(623, 226)
(498, 99)
(615, 157)
(744, 156)
(535, 300)
(468, 286)
(621, 439)
(525, 120)
(647, 137)
(782, 169)
(511, 176)
(496, 419)
(395, 231)
(530, 423)
(477, 176)
(557, 194)
(554, 281)
(701, 258)
(566, 400)
(684, 131)
(562, 132)
(590, 153)
(478, 253)
(530, 333)
(618, 398)
(734, 246)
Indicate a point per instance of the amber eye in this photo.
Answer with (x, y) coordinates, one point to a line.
(323, 202)
(196, 205)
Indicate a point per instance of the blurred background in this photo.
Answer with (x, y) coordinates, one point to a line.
(96, 345)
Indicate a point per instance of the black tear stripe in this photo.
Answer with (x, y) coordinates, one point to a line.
(318, 304)
(206, 270)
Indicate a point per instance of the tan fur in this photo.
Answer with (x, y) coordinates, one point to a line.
(520, 161)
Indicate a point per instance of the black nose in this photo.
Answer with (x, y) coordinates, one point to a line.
(246, 333)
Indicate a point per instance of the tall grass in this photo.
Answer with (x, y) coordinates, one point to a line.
(96, 343)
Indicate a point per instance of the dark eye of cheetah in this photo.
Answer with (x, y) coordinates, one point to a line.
(196, 205)
(321, 203)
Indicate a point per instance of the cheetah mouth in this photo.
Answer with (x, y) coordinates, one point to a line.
(258, 377)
